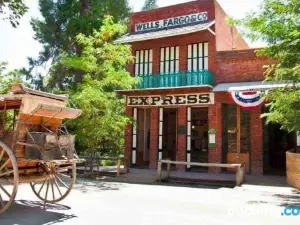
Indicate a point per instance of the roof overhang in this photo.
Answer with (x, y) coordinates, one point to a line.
(250, 86)
(130, 38)
(162, 89)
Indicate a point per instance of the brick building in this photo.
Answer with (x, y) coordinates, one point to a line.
(199, 97)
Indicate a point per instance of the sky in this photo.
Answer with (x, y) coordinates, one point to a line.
(16, 44)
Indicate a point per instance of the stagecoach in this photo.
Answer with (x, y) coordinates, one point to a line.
(35, 146)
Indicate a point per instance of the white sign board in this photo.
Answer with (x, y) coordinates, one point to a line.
(171, 22)
(298, 139)
(171, 100)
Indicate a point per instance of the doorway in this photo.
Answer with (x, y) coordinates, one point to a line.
(169, 133)
(143, 137)
(199, 136)
(277, 143)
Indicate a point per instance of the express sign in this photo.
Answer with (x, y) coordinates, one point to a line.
(171, 22)
(171, 100)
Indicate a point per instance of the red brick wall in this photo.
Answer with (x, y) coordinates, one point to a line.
(173, 11)
(256, 158)
(227, 38)
(153, 154)
(240, 66)
(181, 138)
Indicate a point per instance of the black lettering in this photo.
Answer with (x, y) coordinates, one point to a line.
(180, 99)
(205, 16)
(167, 99)
(187, 19)
(133, 101)
(170, 22)
(144, 101)
(155, 100)
(139, 27)
(204, 98)
(157, 24)
(200, 17)
(194, 18)
(144, 26)
(176, 21)
(192, 99)
(181, 20)
(165, 23)
(148, 26)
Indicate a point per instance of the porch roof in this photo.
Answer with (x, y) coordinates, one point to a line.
(251, 86)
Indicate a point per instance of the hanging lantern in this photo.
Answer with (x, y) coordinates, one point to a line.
(248, 99)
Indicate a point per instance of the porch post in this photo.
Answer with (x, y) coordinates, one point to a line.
(188, 136)
(134, 138)
(160, 133)
(181, 154)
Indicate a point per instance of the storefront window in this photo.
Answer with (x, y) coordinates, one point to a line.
(169, 60)
(197, 56)
(143, 62)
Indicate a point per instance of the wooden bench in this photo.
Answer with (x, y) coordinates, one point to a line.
(93, 161)
(239, 168)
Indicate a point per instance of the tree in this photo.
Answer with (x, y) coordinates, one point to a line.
(104, 64)
(62, 21)
(278, 24)
(150, 4)
(9, 77)
(13, 10)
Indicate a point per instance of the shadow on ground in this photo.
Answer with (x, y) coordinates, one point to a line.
(25, 212)
(292, 200)
(87, 185)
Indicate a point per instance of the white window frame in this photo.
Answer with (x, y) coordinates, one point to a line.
(143, 62)
(197, 57)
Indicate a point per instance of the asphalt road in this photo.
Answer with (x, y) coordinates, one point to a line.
(93, 203)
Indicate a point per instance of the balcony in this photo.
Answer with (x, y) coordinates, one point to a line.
(180, 79)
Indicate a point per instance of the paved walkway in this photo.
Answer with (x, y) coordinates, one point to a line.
(97, 202)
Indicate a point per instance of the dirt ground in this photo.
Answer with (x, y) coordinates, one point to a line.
(96, 202)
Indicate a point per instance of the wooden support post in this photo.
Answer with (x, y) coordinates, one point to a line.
(168, 170)
(118, 167)
(239, 175)
(159, 171)
(127, 164)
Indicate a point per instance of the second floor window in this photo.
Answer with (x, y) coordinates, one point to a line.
(169, 60)
(197, 56)
(143, 62)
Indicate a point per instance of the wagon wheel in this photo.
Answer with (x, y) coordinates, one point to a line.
(58, 186)
(9, 177)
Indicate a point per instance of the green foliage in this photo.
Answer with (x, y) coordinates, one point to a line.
(12, 10)
(104, 65)
(62, 21)
(10, 77)
(278, 24)
(150, 4)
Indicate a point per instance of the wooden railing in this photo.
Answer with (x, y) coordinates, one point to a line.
(93, 161)
(239, 168)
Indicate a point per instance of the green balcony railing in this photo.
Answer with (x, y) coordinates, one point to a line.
(180, 79)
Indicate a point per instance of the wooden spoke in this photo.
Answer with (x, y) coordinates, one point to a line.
(1, 201)
(4, 165)
(1, 155)
(5, 191)
(61, 180)
(6, 173)
(9, 177)
(41, 187)
(56, 184)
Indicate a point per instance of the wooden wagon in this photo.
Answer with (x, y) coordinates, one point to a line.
(35, 146)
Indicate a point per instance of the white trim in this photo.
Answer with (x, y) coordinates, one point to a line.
(134, 157)
(211, 31)
(188, 159)
(164, 33)
(160, 156)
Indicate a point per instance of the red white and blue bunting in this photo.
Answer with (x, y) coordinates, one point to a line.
(248, 99)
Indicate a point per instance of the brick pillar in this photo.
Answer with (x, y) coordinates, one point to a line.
(181, 138)
(128, 135)
(153, 137)
(215, 122)
(256, 126)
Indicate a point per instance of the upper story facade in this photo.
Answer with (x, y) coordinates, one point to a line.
(189, 44)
